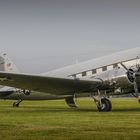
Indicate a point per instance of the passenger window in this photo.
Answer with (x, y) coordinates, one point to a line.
(84, 74)
(115, 66)
(104, 68)
(94, 71)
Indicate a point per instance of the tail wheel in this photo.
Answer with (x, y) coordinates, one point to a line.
(104, 105)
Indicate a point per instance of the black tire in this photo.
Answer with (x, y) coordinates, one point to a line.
(105, 105)
(15, 104)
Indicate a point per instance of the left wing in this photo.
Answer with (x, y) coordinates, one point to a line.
(47, 84)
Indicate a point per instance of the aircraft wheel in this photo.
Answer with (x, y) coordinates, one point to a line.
(15, 104)
(104, 105)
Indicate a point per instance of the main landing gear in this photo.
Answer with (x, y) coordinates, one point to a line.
(16, 104)
(21, 93)
(71, 102)
(103, 104)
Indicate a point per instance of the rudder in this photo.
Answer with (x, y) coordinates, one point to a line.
(7, 65)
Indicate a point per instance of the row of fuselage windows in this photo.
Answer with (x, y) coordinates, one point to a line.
(94, 71)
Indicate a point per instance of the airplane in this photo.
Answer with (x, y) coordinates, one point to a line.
(99, 78)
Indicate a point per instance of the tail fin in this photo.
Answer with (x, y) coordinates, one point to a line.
(7, 65)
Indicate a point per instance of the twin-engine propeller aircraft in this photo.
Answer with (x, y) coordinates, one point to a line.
(100, 78)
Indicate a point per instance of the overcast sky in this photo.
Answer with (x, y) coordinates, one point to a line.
(41, 35)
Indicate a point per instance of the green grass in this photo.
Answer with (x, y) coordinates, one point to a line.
(43, 120)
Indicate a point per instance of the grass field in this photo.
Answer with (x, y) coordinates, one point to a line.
(54, 120)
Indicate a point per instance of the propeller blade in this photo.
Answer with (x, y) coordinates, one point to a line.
(124, 67)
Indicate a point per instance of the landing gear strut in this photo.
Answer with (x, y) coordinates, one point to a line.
(16, 104)
(21, 92)
(103, 104)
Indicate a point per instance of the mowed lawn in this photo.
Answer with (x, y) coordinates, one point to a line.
(43, 120)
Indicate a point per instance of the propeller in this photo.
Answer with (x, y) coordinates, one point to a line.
(132, 75)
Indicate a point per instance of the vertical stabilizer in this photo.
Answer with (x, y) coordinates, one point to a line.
(7, 65)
